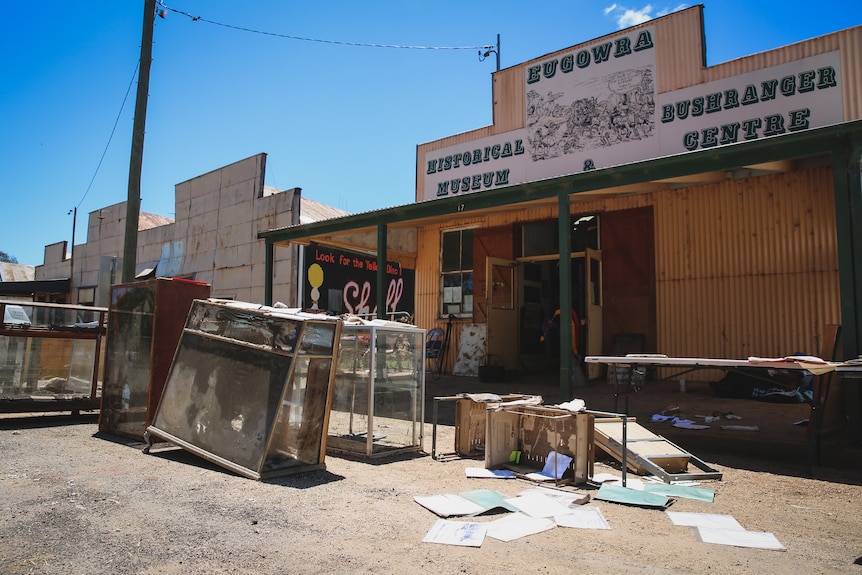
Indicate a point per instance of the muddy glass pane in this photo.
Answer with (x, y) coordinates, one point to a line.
(222, 397)
(127, 365)
(297, 435)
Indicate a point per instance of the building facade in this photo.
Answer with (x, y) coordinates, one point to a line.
(213, 238)
(707, 210)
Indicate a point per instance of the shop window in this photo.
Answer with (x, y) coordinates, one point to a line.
(456, 260)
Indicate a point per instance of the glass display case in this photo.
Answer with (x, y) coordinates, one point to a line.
(250, 388)
(50, 356)
(378, 402)
(145, 321)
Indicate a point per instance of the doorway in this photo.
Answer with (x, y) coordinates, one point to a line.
(539, 299)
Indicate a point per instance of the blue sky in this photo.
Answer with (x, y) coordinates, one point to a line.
(296, 80)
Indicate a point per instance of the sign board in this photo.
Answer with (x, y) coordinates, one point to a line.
(344, 282)
(597, 106)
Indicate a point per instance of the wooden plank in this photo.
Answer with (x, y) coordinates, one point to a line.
(641, 444)
(501, 438)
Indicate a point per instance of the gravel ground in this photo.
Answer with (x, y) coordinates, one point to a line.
(75, 501)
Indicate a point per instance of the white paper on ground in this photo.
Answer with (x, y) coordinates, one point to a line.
(463, 533)
(712, 520)
(689, 425)
(583, 518)
(562, 497)
(447, 505)
(517, 525)
(482, 473)
(739, 538)
(538, 505)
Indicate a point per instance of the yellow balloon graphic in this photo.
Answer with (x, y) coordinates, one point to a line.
(315, 275)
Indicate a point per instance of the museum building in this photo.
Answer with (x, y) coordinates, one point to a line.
(708, 209)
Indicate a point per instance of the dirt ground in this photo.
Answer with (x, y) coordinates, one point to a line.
(76, 501)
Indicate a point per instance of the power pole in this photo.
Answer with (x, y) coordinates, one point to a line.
(133, 203)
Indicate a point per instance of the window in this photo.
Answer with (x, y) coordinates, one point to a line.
(542, 238)
(86, 296)
(456, 259)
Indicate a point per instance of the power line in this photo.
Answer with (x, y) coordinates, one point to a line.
(111, 137)
(340, 42)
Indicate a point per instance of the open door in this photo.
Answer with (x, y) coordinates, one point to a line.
(501, 297)
(593, 309)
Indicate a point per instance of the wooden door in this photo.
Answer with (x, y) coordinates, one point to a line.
(501, 298)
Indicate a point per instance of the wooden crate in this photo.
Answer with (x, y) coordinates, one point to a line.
(535, 431)
(470, 422)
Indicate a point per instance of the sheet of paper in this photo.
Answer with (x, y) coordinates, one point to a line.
(463, 533)
(712, 520)
(690, 425)
(739, 538)
(487, 499)
(583, 518)
(556, 465)
(517, 525)
(684, 491)
(562, 497)
(448, 505)
(538, 505)
(618, 494)
(482, 473)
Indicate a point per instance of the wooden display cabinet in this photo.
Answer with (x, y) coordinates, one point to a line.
(145, 321)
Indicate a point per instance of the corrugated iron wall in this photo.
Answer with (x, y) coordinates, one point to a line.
(743, 267)
(747, 267)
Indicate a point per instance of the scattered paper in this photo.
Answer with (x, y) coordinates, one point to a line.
(463, 533)
(555, 467)
(618, 494)
(517, 525)
(576, 405)
(686, 424)
(561, 497)
(739, 538)
(538, 505)
(583, 518)
(683, 491)
(448, 505)
(711, 520)
(482, 473)
(487, 499)
(724, 530)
